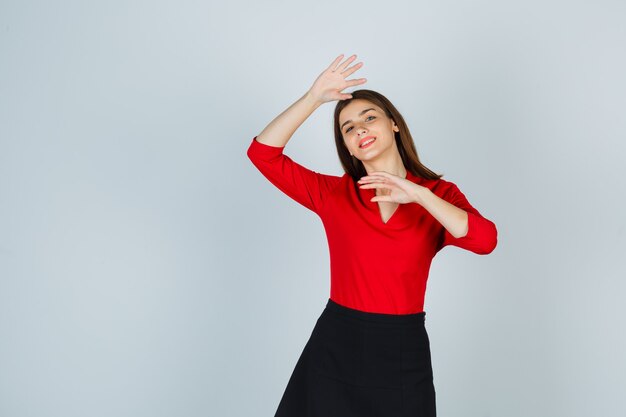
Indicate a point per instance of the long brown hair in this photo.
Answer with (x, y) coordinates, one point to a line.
(404, 141)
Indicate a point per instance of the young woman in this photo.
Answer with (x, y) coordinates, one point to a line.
(385, 219)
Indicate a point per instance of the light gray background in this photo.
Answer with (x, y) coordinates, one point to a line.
(148, 269)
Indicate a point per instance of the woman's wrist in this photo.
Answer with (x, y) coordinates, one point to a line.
(420, 194)
(312, 99)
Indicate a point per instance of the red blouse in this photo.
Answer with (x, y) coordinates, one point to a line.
(374, 266)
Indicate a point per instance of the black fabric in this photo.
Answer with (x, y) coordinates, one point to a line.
(362, 364)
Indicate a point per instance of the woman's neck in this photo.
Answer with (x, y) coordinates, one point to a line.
(393, 166)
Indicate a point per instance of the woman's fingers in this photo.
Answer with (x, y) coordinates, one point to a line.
(333, 66)
(374, 185)
(346, 63)
(382, 198)
(329, 84)
(387, 185)
(356, 82)
(373, 177)
(380, 176)
(370, 182)
(352, 69)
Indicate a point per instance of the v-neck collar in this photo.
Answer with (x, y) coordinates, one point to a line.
(375, 207)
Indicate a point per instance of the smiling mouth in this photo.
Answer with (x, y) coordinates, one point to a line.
(367, 143)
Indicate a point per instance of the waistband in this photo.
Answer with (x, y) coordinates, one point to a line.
(338, 309)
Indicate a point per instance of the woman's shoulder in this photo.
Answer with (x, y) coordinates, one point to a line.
(439, 186)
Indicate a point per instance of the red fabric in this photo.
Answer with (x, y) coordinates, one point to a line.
(375, 266)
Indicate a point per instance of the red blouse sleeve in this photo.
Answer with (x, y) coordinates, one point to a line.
(482, 234)
(303, 185)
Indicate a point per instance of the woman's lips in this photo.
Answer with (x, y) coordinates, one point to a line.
(367, 143)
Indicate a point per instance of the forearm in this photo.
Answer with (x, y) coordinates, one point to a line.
(454, 219)
(280, 130)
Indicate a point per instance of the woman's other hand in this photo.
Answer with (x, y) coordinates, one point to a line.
(401, 190)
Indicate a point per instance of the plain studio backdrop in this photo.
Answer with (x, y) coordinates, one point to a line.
(148, 269)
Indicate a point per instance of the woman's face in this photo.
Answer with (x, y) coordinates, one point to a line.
(360, 122)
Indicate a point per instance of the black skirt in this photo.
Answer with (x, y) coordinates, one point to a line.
(362, 364)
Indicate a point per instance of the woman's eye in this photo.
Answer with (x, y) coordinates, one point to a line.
(348, 129)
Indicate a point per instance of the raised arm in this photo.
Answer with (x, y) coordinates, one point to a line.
(327, 87)
(266, 150)
(303, 185)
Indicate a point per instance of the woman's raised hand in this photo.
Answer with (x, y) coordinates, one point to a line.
(330, 83)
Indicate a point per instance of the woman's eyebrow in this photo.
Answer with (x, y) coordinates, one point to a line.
(360, 114)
